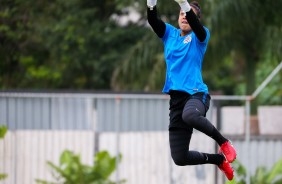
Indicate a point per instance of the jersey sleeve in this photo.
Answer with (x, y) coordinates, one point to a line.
(207, 35)
(157, 24)
(168, 29)
(203, 45)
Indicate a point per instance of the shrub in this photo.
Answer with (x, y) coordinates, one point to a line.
(3, 131)
(261, 176)
(71, 171)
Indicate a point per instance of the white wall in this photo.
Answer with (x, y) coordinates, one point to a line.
(146, 157)
(269, 119)
(23, 154)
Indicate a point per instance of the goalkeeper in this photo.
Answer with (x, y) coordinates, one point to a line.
(184, 50)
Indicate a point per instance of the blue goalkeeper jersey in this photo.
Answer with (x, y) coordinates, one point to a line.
(184, 57)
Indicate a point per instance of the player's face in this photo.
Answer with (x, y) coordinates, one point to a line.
(183, 23)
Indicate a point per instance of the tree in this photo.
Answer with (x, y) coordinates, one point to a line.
(143, 68)
(242, 35)
(82, 45)
(62, 44)
(247, 31)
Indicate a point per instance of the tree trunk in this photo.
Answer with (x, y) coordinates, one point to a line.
(251, 82)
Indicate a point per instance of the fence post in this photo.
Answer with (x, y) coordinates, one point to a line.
(117, 128)
(247, 139)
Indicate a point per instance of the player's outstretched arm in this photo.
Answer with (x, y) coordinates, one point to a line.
(193, 20)
(157, 24)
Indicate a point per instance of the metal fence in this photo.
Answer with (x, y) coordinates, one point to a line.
(42, 125)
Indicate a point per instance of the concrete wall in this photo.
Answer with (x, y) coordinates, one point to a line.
(269, 120)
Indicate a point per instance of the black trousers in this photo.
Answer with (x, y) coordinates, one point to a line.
(186, 113)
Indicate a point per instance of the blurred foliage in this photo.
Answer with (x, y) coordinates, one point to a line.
(88, 45)
(261, 176)
(71, 171)
(272, 94)
(245, 31)
(235, 56)
(61, 44)
(3, 176)
(3, 131)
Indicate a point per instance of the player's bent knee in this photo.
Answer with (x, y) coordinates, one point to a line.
(179, 162)
(180, 159)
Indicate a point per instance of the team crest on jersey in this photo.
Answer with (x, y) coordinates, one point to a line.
(187, 39)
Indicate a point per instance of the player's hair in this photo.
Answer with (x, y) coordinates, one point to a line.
(197, 6)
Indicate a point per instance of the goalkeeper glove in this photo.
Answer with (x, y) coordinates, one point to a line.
(184, 5)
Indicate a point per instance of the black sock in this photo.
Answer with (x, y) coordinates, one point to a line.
(216, 159)
(216, 135)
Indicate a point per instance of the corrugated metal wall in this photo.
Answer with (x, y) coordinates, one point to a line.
(135, 125)
(138, 114)
(31, 113)
(58, 112)
(264, 151)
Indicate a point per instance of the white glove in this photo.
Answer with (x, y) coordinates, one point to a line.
(180, 1)
(151, 3)
(185, 6)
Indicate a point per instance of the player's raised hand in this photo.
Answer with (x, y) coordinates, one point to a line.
(151, 3)
(180, 1)
(184, 5)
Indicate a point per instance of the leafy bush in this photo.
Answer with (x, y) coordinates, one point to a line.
(72, 171)
(261, 176)
(3, 131)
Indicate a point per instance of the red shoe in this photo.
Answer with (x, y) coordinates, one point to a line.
(226, 168)
(228, 151)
